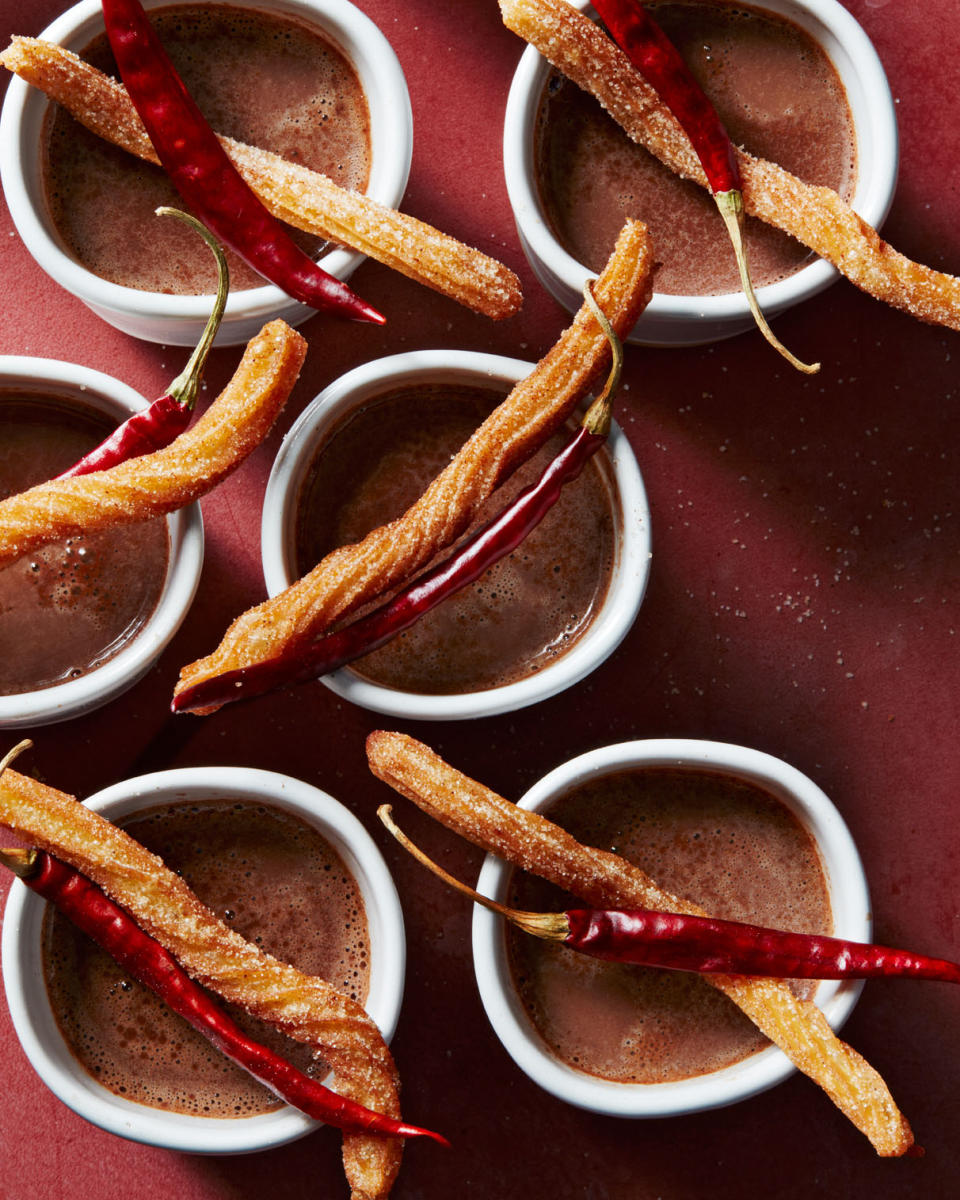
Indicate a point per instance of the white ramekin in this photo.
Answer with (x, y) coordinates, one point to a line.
(185, 531)
(179, 320)
(849, 899)
(29, 1003)
(695, 320)
(469, 368)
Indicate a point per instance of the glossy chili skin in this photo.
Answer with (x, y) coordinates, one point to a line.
(156, 426)
(709, 946)
(147, 961)
(202, 172)
(153, 428)
(491, 543)
(656, 58)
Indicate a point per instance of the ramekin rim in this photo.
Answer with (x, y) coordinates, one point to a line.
(849, 895)
(390, 168)
(627, 585)
(186, 541)
(873, 194)
(179, 1131)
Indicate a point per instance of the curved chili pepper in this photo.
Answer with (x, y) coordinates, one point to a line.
(150, 429)
(93, 912)
(166, 418)
(203, 174)
(657, 59)
(706, 945)
(334, 650)
(486, 547)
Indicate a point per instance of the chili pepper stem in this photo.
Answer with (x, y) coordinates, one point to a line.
(185, 387)
(730, 205)
(597, 418)
(487, 546)
(10, 755)
(552, 927)
(23, 863)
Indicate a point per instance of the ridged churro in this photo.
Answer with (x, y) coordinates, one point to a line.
(605, 880)
(304, 1007)
(351, 575)
(301, 197)
(815, 216)
(154, 484)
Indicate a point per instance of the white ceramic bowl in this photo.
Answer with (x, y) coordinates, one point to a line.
(358, 387)
(185, 530)
(29, 1004)
(179, 320)
(847, 888)
(694, 320)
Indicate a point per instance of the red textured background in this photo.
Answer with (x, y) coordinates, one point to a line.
(803, 601)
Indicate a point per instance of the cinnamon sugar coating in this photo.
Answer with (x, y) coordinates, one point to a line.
(605, 880)
(815, 216)
(304, 1007)
(352, 575)
(301, 197)
(154, 484)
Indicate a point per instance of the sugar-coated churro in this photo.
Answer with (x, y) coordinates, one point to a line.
(352, 575)
(301, 197)
(815, 216)
(605, 880)
(153, 484)
(304, 1007)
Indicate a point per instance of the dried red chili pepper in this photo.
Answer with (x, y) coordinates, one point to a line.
(93, 912)
(657, 59)
(369, 633)
(487, 546)
(711, 946)
(706, 945)
(166, 418)
(202, 172)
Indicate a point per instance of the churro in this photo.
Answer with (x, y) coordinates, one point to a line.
(154, 484)
(304, 1007)
(301, 197)
(815, 216)
(605, 880)
(351, 575)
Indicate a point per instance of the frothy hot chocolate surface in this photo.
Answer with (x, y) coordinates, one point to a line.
(727, 845)
(275, 880)
(69, 607)
(778, 95)
(526, 610)
(265, 79)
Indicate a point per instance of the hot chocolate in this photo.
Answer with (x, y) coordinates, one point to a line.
(267, 80)
(779, 97)
(724, 843)
(69, 607)
(274, 879)
(528, 609)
